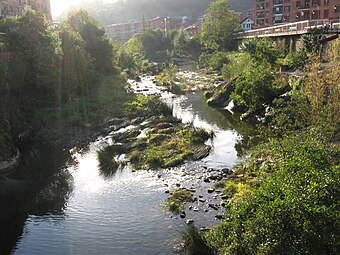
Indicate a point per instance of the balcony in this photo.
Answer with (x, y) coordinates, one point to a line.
(260, 15)
(304, 7)
(260, 7)
(277, 2)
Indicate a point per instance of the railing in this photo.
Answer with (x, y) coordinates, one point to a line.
(297, 28)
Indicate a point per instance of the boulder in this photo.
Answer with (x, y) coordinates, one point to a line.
(221, 97)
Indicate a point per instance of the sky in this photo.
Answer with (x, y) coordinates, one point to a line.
(58, 6)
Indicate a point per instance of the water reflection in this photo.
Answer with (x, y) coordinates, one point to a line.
(85, 207)
(228, 128)
(26, 192)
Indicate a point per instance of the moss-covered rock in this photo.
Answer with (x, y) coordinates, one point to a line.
(175, 203)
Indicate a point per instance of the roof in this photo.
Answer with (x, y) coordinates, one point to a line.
(246, 19)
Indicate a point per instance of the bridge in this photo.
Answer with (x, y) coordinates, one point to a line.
(292, 29)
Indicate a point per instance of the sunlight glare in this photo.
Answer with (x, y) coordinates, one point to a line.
(58, 6)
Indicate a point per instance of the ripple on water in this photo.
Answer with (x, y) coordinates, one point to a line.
(124, 214)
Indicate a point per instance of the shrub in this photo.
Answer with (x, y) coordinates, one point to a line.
(107, 164)
(215, 61)
(294, 211)
(195, 242)
(254, 87)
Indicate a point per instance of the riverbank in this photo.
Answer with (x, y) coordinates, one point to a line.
(131, 204)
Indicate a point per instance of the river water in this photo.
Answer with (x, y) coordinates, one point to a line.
(80, 211)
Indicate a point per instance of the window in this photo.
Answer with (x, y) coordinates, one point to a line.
(316, 2)
(286, 8)
(326, 2)
(336, 8)
(315, 14)
(326, 14)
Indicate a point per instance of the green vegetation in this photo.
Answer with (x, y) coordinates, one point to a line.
(170, 144)
(54, 80)
(285, 203)
(195, 242)
(219, 27)
(170, 147)
(167, 79)
(146, 106)
(284, 199)
(107, 164)
(167, 143)
(155, 46)
(175, 203)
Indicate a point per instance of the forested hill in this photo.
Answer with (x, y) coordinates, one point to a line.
(128, 10)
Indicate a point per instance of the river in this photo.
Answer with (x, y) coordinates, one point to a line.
(80, 211)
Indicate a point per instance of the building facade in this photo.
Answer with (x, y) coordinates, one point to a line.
(272, 12)
(247, 24)
(125, 31)
(12, 8)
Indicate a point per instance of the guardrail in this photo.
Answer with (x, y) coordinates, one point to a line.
(297, 28)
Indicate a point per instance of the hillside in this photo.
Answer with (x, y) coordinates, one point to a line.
(128, 10)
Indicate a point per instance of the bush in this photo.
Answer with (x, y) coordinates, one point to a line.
(296, 60)
(195, 242)
(289, 113)
(294, 211)
(215, 61)
(254, 88)
(108, 166)
(236, 64)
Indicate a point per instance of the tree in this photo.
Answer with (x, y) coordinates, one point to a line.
(254, 88)
(153, 42)
(261, 51)
(219, 27)
(34, 49)
(181, 40)
(77, 68)
(97, 44)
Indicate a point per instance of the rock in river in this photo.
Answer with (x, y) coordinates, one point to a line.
(190, 221)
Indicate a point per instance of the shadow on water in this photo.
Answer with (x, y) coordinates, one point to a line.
(39, 186)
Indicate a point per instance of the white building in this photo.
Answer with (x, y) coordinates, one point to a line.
(247, 24)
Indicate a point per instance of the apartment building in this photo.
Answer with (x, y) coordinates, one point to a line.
(14, 8)
(272, 12)
(125, 31)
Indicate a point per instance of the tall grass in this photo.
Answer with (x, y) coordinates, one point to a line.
(195, 242)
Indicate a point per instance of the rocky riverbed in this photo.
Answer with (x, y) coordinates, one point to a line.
(124, 212)
(204, 183)
(207, 203)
